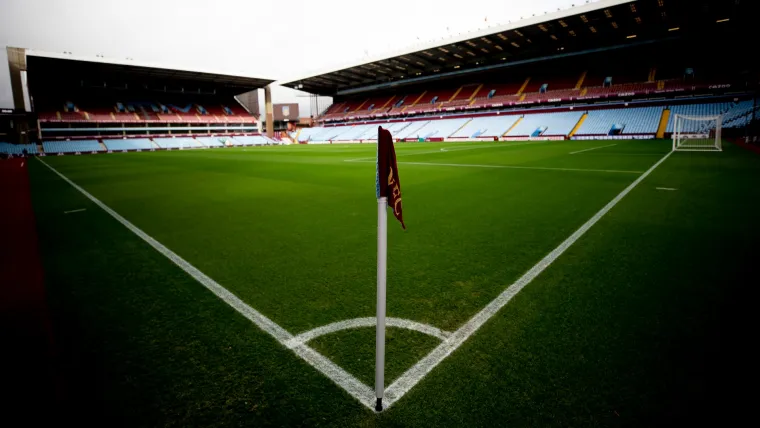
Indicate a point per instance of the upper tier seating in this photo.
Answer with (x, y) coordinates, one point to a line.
(214, 111)
(72, 146)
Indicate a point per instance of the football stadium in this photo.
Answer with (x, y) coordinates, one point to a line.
(578, 240)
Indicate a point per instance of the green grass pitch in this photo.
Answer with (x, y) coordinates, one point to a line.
(627, 328)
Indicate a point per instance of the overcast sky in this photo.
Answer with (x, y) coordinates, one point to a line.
(272, 39)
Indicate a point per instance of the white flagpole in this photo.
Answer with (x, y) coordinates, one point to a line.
(382, 252)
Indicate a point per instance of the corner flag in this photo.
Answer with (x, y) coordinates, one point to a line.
(388, 189)
(387, 181)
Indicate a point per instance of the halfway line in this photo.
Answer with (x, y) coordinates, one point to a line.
(593, 148)
(411, 377)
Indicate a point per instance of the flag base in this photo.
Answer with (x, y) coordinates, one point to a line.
(379, 405)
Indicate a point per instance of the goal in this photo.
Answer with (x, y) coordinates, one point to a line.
(697, 133)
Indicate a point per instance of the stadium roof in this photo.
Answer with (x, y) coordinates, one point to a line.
(58, 64)
(592, 27)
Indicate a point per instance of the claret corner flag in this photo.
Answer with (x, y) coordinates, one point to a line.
(386, 181)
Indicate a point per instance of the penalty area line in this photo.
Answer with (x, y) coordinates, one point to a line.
(75, 211)
(593, 148)
(411, 377)
(363, 393)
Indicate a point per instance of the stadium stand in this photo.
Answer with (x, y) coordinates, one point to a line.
(177, 143)
(412, 131)
(212, 141)
(545, 124)
(113, 111)
(480, 127)
(252, 140)
(129, 144)
(438, 129)
(81, 146)
(17, 149)
(628, 121)
(696, 110)
(740, 114)
(616, 81)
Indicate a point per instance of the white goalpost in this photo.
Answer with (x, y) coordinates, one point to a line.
(697, 133)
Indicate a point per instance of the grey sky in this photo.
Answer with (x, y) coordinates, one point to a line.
(272, 39)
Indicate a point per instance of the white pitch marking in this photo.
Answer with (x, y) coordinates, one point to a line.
(411, 377)
(75, 211)
(401, 153)
(465, 165)
(366, 322)
(665, 188)
(593, 148)
(350, 384)
(342, 378)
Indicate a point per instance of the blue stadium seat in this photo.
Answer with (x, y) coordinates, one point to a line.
(128, 144)
(83, 146)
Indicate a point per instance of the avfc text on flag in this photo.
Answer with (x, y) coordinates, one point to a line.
(386, 181)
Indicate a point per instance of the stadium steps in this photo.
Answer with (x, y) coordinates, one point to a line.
(402, 128)
(455, 94)
(361, 105)
(86, 116)
(155, 144)
(102, 146)
(460, 128)
(652, 74)
(390, 100)
(578, 125)
(581, 80)
(475, 93)
(664, 119)
(297, 134)
(660, 85)
(583, 92)
(418, 99)
(522, 97)
(513, 126)
(522, 88)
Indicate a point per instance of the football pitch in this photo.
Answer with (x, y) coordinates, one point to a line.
(565, 283)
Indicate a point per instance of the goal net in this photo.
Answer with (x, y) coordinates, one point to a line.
(697, 133)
